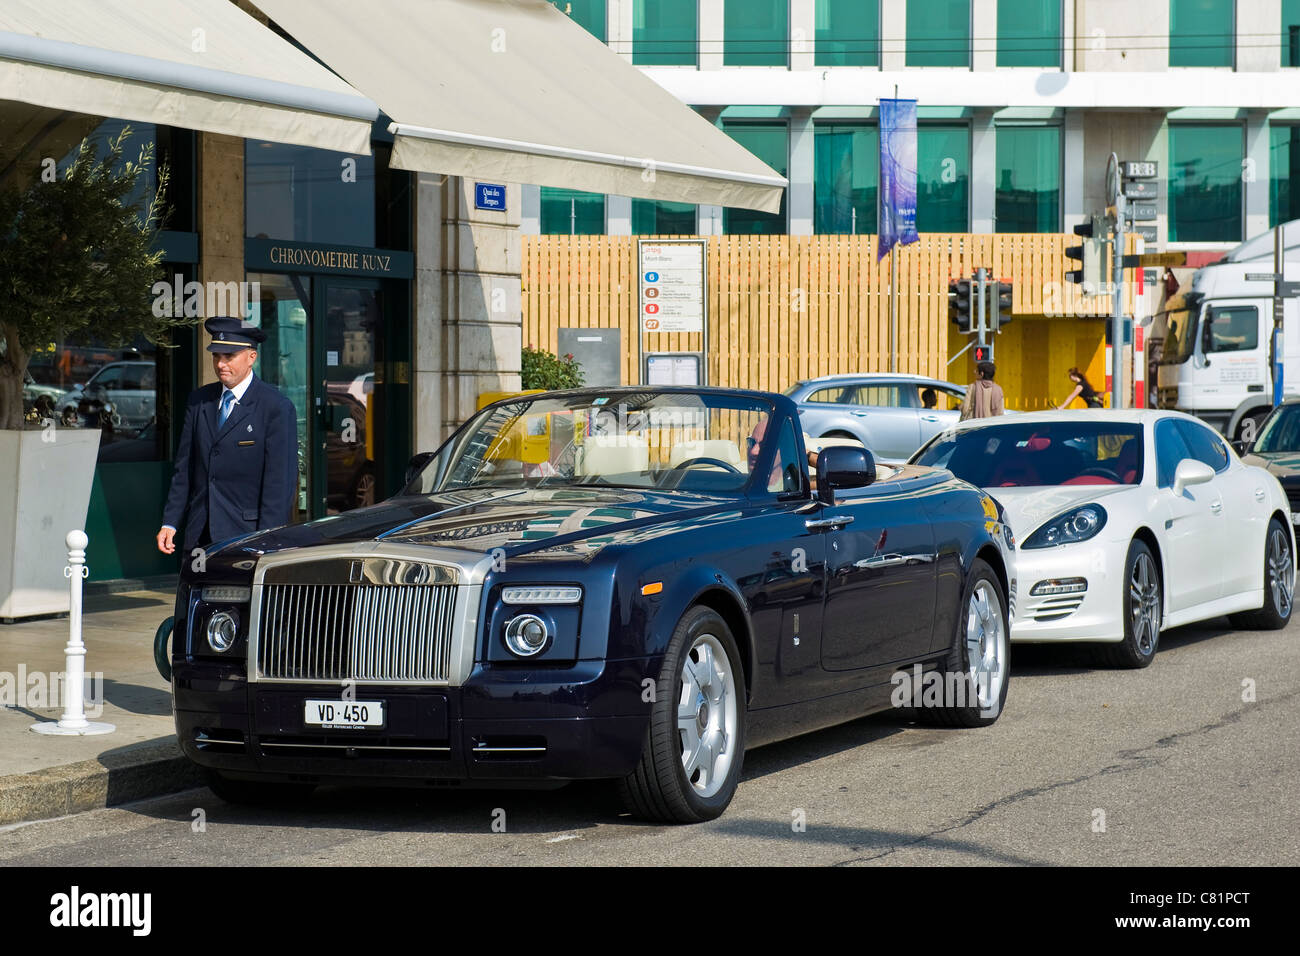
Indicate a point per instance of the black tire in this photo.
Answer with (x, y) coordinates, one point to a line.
(977, 701)
(1142, 583)
(659, 789)
(1279, 584)
(256, 793)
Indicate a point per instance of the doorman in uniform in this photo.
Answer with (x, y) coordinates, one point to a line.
(237, 462)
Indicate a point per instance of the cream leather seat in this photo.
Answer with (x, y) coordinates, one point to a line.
(613, 455)
(719, 448)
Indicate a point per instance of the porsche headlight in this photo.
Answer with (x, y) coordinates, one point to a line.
(1075, 525)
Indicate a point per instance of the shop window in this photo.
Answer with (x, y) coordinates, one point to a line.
(1291, 32)
(769, 142)
(570, 212)
(662, 218)
(938, 33)
(846, 175)
(943, 178)
(664, 32)
(300, 194)
(1029, 179)
(1201, 33)
(1205, 194)
(848, 33)
(755, 32)
(1029, 33)
(1283, 170)
(588, 14)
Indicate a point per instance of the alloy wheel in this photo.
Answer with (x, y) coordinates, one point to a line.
(1281, 572)
(1144, 604)
(706, 715)
(986, 645)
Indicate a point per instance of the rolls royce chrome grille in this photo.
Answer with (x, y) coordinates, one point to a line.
(350, 632)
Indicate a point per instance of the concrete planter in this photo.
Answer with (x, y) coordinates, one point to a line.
(44, 494)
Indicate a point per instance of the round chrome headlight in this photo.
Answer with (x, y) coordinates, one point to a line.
(527, 635)
(223, 628)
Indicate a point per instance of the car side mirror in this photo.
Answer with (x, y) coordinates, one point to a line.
(843, 466)
(1191, 472)
(415, 466)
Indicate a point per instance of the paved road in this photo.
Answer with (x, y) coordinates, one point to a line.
(1184, 771)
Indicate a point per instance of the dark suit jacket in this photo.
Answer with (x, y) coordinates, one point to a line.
(240, 477)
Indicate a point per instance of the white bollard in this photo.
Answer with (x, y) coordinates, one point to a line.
(74, 722)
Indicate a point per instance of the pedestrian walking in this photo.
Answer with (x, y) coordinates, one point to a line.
(984, 397)
(237, 462)
(1082, 389)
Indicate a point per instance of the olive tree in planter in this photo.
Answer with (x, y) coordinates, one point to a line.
(75, 264)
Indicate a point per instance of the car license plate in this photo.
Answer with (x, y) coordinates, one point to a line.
(343, 714)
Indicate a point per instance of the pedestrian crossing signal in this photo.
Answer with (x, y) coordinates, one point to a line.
(984, 353)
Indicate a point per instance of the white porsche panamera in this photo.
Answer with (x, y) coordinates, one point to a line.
(1128, 522)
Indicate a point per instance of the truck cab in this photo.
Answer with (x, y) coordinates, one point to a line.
(1215, 363)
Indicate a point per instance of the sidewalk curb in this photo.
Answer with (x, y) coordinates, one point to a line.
(149, 769)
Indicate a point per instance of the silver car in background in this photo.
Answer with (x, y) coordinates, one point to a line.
(885, 411)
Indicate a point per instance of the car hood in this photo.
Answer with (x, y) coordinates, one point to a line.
(1283, 464)
(518, 521)
(1028, 508)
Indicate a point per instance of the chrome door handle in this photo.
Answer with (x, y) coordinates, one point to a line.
(834, 521)
(859, 414)
(1259, 494)
(931, 418)
(1216, 506)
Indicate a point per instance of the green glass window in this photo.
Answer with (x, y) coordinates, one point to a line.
(1283, 170)
(938, 33)
(1029, 32)
(846, 175)
(1028, 197)
(588, 14)
(943, 179)
(572, 212)
(754, 32)
(848, 33)
(308, 195)
(664, 32)
(1201, 33)
(1291, 32)
(1205, 183)
(651, 218)
(769, 142)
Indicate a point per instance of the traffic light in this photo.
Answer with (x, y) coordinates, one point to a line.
(959, 303)
(1000, 304)
(984, 353)
(1091, 255)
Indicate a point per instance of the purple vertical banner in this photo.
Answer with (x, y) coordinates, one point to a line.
(896, 211)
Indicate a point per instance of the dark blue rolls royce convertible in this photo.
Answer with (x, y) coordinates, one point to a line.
(633, 584)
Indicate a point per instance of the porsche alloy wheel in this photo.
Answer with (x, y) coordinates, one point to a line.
(1279, 584)
(695, 740)
(1142, 611)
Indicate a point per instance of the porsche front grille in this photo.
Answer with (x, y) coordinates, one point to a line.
(336, 632)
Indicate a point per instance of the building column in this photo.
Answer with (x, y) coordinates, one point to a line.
(983, 171)
(1255, 174)
(984, 27)
(802, 171)
(618, 27)
(803, 34)
(893, 36)
(530, 210)
(710, 32)
(1073, 171)
(220, 208)
(1257, 21)
(468, 325)
(618, 216)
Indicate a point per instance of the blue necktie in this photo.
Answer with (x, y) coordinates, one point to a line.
(227, 400)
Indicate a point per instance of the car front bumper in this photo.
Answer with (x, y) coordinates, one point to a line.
(1094, 615)
(503, 727)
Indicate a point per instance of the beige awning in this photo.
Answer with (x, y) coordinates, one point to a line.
(513, 91)
(199, 64)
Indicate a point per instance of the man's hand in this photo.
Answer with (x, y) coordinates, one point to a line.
(165, 543)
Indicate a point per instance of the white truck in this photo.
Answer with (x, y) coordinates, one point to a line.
(1217, 334)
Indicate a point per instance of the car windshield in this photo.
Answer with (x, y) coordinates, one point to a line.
(706, 443)
(1027, 454)
(1281, 432)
